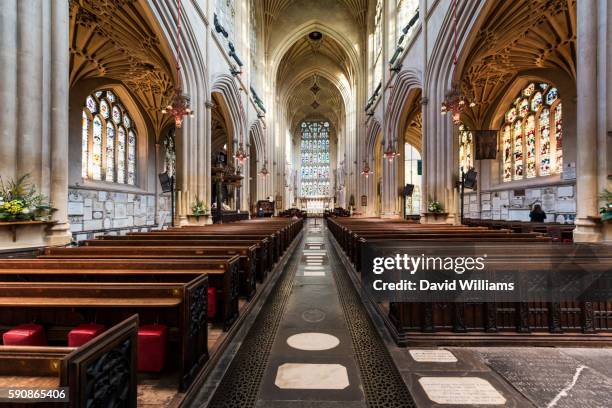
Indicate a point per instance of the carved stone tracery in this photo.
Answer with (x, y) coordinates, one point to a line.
(115, 39)
(516, 36)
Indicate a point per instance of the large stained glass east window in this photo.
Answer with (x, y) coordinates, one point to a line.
(531, 135)
(109, 140)
(315, 169)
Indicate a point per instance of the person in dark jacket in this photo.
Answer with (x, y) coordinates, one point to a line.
(537, 214)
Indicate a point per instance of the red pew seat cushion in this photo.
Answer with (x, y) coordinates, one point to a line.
(152, 340)
(29, 334)
(212, 303)
(83, 333)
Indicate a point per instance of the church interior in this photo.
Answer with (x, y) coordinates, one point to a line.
(193, 194)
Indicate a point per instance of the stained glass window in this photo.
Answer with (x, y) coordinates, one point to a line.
(131, 162)
(109, 140)
(315, 170)
(96, 149)
(84, 144)
(121, 155)
(558, 138)
(466, 148)
(110, 152)
(507, 145)
(529, 148)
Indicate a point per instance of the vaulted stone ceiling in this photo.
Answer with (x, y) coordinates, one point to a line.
(115, 39)
(304, 102)
(306, 49)
(518, 35)
(273, 8)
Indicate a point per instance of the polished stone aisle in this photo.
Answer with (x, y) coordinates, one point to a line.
(312, 362)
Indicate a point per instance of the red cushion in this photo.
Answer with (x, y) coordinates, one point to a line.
(152, 347)
(212, 303)
(29, 334)
(83, 333)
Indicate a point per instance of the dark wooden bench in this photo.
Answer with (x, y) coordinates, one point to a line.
(262, 253)
(224, 280)
(245, 262)
(67, 298)
(87, 371)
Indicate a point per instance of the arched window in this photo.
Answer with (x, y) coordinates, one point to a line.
(412, 175)
(405, 11)
(377, 45)
(466, 149)
(532, 134)
(315, 180)
(108, 138)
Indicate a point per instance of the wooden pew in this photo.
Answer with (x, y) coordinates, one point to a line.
(224, 280)
(436, 323)
(244, 262)
(66, 298)
(262, 253)
(109, 358)
(270, 243)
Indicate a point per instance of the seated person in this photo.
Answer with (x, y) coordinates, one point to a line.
(537, 214)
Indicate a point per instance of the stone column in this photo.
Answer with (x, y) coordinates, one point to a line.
(34, 86)
(8, 87)
(587, 230)
(60, 61)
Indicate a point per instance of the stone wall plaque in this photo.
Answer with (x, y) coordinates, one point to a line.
(75, 208)
(433, 356)
(565, 191)
(461, 391)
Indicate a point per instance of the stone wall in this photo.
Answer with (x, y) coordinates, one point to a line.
(92, 212)
(559, 203)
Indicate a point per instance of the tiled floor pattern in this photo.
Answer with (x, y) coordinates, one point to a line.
(312, 361)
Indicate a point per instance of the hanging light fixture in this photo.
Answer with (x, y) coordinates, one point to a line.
(366, 170)
(264, 171)
(390, 154)
(241, 154)
(455, 102)
(179, 106)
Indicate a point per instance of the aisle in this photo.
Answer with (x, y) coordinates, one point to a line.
(312, 358)
(312, 344)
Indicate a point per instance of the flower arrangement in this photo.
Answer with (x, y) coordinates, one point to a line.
(606, 210)
(199, 208)
(19, 201)
(435, 206)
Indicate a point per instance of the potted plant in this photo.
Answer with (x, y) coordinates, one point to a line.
(19, 201)
(435, 207)
(606, 210)
(199, 212)
(435, 210)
